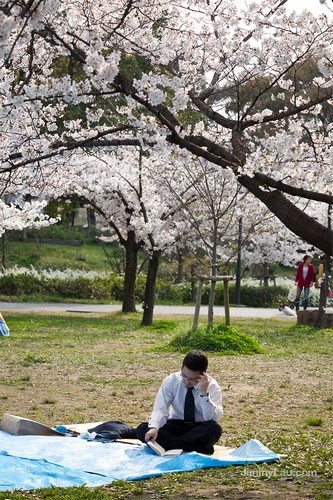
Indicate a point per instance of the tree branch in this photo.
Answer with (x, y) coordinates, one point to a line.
(265, 180)
(59, 148)
(78, 54)
(289, 112)
(73, 144)
(300, 223)
(210, 113)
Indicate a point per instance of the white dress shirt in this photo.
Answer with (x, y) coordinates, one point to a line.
(169, 402)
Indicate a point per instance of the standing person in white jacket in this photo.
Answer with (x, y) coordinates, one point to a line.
(190, 426)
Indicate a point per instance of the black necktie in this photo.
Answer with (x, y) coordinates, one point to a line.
(189, 407)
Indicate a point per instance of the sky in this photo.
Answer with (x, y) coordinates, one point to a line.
(314, 6)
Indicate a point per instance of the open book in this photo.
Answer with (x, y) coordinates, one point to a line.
(162, 452)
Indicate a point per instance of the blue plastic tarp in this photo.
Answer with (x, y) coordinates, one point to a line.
(28, 474)
(30, 462)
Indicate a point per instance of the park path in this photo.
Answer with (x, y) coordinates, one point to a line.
(239, 312)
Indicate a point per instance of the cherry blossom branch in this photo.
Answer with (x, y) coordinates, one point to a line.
(279, 205)
(267, 181)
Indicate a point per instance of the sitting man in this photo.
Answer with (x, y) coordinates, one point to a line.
(187, 408)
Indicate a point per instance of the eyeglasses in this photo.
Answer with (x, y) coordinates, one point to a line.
(189, 379)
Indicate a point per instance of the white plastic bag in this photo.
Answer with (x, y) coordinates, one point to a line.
(292, 294)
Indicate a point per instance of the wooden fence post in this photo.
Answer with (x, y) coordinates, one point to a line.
(226, 302)
(197, 306)
(225, 280)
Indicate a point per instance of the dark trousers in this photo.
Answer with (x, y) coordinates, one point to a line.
(197, 436)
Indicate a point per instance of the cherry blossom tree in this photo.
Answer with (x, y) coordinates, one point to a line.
(166, 74)
(125, 186)
(273, 243)
(17, 216)
(220, 203)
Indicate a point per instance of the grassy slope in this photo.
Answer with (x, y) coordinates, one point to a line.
(88, 256)
(282, 397)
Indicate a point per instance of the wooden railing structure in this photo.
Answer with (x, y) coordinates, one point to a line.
(202, 279)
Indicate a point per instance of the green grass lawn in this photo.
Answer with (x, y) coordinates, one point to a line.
(88, 256)
(91, 255)
(62, 369)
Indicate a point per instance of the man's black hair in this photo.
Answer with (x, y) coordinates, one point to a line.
(196, 361)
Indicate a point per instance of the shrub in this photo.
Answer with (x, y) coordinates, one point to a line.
(251, 296)
(263, 296)
(220, 339)
(21, 284)
(314, 421)
(162, 326)
(116, 287)
(140, 287)
(70, 283)
(176, 293)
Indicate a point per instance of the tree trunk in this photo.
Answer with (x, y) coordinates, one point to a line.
(266, 274)
(131, 261)
(4, 252)
(321, 320)
(180, 267)
(212, 283)
(149, 300)
(193, 279)
(72, 217)
(211, 304)
(91, 217)
(239, 261)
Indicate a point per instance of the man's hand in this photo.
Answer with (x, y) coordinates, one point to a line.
(203, 383)
(151, 435)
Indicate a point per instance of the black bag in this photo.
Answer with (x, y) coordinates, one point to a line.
(113, 429)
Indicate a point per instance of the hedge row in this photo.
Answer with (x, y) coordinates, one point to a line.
(110, 287)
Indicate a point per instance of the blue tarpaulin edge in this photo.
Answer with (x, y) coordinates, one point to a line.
(31, 462)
